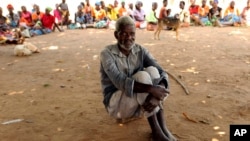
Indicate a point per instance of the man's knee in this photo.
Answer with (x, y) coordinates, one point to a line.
(153, 72)
(142, 77)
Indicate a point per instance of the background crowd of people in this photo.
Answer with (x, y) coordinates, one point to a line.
(15, 26)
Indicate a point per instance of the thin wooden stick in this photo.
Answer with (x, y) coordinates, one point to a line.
(182, 85)
(188, 118)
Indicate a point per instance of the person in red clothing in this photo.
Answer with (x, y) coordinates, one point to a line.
(194, 13)
(48, 21)
(164, 12)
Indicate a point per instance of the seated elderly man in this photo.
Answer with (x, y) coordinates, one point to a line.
(133, 82)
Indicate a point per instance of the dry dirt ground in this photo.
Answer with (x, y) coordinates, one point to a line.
(58, 94)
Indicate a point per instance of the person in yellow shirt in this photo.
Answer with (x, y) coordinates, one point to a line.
(232, 14)
(112, 13)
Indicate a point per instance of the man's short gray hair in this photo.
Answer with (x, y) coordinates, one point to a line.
(122, 21)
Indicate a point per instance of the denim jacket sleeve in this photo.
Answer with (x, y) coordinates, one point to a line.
(118, 79)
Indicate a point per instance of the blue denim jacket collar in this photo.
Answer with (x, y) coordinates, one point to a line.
(115, 50)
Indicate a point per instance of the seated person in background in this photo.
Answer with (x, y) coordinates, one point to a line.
(184, 15)
(47, 24)
(130, 10)
(6, 34)
(33, 8)
(103, 6)
(133, 83)
(232, 14)
(194, 13)
(116, 8)
(163, 11)
(89, 12)
(48, 21)
(203, 13)
(122, 10)
(12, 18)
(211, 3)
(65, 12)
(37, 15)
(139, 15)
(100, 19)
(58, 16)
(151, 18)
(245, 15)
(80, 17)
(112, 14)
(26, 18)
(215, 16)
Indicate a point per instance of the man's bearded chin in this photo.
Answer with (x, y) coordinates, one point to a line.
(126, 48)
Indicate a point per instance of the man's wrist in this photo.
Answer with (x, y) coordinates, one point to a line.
(150, 89)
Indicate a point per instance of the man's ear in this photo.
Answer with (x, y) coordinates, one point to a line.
(116, 34)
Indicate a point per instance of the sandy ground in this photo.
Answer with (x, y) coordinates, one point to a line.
(58, 94)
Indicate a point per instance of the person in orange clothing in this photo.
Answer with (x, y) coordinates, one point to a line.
(203, 13)
(100, 18)
(122, 11)
(89, 11)
(232, 14)
(37, 15)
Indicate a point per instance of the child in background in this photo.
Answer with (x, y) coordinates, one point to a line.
(151, 18)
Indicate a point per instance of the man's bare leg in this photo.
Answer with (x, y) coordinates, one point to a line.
(162, 123)
(157, 133)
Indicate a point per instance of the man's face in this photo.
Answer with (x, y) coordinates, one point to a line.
(126, 37)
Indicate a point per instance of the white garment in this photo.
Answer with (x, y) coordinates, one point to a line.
(123, 107)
